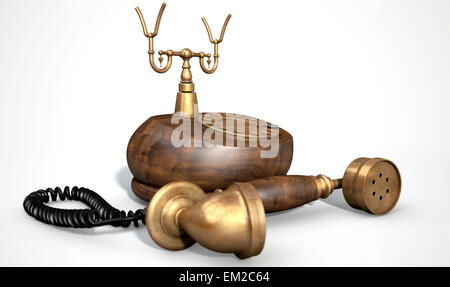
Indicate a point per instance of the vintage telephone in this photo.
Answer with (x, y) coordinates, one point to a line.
(153, 159)
(185, 183)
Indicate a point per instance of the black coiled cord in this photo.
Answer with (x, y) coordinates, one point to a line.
(100, 212)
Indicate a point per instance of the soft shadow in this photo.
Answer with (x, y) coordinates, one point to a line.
(141, 232)
(294, 215)
(198, 249)
(142, 235)
(287, 211)
(94, 231)
(123, 178)
(337, 199)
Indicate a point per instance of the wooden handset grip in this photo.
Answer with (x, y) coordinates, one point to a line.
(284, 192)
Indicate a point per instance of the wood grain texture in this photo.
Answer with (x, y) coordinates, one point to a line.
(284, 192)
(154, 161)
(142, 190)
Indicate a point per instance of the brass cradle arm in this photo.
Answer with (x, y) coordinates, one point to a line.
(186, 102)
(182, 54)
(150, 37)
(216, 46)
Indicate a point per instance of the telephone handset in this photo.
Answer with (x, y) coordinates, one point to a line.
(181, 213)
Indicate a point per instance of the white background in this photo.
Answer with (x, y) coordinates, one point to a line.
(345, 78)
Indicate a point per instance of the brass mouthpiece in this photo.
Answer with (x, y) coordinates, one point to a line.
(372, 184)
(231, 221)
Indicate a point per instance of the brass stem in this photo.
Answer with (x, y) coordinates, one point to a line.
(337, 183)
(325, 185)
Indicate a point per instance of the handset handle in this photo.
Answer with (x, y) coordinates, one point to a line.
(284, 192)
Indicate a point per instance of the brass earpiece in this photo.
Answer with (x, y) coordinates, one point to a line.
(232, 221)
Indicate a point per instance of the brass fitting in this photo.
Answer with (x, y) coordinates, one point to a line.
(231, 221)
(372, 184)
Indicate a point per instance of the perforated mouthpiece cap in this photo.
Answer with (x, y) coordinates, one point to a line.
(372, 184)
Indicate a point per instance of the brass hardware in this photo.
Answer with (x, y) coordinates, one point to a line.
(231, 221)
(186, 102)
(325, 185)
(372, 184)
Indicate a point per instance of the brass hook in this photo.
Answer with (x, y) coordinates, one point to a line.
(150, 36)
(216, 46)
(221, 34)
(158, 21)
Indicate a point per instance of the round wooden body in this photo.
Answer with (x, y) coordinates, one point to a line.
(154, 160)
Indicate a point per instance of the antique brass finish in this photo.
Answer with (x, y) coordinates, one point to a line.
(325, 185)
(372, 184)
(164, 209)
(186, 102)
(231, 221)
